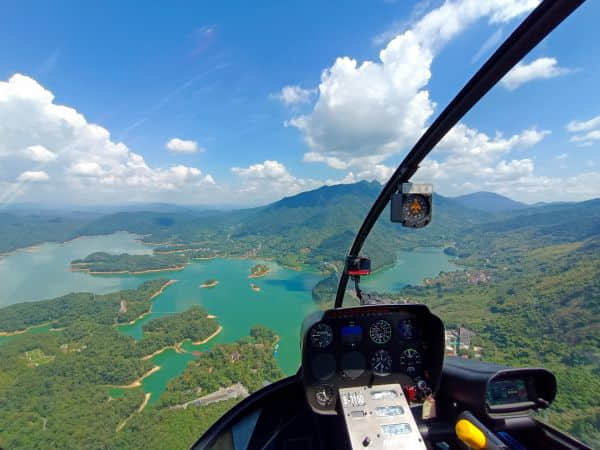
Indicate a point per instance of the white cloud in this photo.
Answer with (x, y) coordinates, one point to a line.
(183, 146)
(33, 175)
(270, 180)
(368, 111)
(541, 68)
(585, 125)
(293, 95)
(468, 160)
(593, 135)
(39, 153)
(533, 188)
(86, 169)
(468, 154)
(589, 131)
(84, 163)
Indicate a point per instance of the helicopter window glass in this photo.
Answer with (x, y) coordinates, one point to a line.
(181, 182)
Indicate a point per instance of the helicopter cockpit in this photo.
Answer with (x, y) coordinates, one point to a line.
(375, 375)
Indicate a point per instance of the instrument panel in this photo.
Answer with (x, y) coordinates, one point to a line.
(369, 345)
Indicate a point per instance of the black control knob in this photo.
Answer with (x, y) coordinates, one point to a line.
(366, 441)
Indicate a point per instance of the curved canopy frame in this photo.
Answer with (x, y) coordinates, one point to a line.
(547, 16)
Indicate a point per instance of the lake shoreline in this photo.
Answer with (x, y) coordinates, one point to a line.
(138, 382)
(25, 330)
(35, 247)
(153, 296)
(259, 275)
(204, 341)
(177, 347)
(75, 268)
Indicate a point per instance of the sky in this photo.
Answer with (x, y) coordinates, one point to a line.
(242, 103)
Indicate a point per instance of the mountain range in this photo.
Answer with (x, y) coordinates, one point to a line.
(309, 227)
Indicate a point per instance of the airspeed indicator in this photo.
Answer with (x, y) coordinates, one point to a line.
(321, 335)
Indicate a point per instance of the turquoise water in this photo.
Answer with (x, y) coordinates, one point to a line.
(410, 268)
(283, 301)
(43, 272)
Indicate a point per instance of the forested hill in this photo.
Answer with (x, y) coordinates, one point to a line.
(489, 202)
(312, 227)
(307, 228)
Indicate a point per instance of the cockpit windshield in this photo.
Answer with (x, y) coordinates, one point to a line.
(180, 187)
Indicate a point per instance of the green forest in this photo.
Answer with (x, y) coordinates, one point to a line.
(259, 270)
(102, 262)
(530, 290)
(63, 311)
(58, 391)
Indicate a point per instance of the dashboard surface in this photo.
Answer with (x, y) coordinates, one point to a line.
(369, 345)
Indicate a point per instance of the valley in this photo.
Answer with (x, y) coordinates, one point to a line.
(523, 279)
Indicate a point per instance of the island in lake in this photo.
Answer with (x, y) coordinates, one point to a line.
(255, 287)
(102, 263)
(209, 284)
(259, 270)
(96, 373)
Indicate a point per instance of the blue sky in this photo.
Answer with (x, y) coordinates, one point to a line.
(243, 103)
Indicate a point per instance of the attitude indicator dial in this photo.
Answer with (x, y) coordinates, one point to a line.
(380, 332)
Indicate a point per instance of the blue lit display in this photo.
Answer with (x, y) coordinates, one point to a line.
(351, 334)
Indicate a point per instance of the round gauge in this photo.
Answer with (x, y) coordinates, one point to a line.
(380, 332)
(324, 395)
(353, 364)
(410, 360)
(415, 207)
(321, 335)
(381, 363)
(407, 330)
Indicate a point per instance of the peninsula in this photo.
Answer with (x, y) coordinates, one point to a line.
(102, 263)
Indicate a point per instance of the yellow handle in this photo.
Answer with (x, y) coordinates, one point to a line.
(470, 434)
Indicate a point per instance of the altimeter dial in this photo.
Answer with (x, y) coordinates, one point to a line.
(381, 363)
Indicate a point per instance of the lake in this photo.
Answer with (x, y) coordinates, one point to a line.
(281, 304)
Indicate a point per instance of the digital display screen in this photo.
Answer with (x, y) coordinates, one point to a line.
(407, 330)
(383, 395)
(351, 334)
(395, 429)
(502, 392)
(386, 411)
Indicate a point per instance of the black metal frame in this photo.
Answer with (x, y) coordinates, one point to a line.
(548, 15)
(254, 401)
